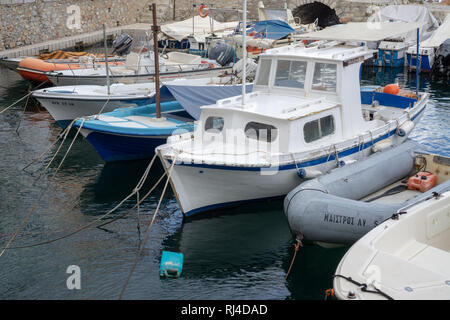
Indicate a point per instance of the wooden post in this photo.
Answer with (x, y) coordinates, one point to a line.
(155, 29)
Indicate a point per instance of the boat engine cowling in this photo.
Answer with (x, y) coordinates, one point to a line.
(222, 52)
(122, 44)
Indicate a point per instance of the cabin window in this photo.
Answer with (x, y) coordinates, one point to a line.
(290, 74)
(264, 72)
(314, 130)
(325, 75)
(261, 131)
(214, 124)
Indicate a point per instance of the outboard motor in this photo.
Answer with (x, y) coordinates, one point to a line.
(222, 52)
(122, 44)
(442, 62)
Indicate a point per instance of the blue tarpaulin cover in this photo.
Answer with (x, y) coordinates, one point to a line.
(271, 29)
(193, 97)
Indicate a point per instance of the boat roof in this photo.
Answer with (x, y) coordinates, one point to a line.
(363, 31)
(322, 51)
(259, 103)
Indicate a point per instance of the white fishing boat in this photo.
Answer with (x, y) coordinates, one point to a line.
(65, 103)
(139, 68)
(305, 115)
(405, 258)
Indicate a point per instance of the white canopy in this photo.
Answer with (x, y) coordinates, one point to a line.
(408, 13)
(363, 31)
(441, 34)
(202, 28)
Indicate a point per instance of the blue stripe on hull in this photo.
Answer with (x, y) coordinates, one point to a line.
(114, 148)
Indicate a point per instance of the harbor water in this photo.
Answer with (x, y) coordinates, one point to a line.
(241, 253)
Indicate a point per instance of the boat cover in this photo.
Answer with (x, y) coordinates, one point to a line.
(202, 27)
(441, 34)
(271, 29)
(192, 97)
(363, 31)
(408, 13)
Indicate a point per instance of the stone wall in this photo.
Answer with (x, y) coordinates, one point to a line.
(26, 22)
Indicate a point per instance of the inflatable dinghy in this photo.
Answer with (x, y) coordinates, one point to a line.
(343, 205)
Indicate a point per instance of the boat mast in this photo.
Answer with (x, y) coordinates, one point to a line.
(155, 29)
(106, 59)
(244, 50)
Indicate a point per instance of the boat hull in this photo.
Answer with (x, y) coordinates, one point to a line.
(115, 147)
(64, 110)
(67, 80)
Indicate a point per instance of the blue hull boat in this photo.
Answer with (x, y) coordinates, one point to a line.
(133, 133)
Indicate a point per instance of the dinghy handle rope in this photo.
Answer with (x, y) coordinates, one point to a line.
(296, 247)
(363, 287)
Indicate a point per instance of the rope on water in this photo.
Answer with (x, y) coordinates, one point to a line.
(147, 232)
(36, 203)
(140, 184)
(25, 96)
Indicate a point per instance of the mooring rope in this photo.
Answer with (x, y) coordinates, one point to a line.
(25, 96)
(140, 184)
(147, 232)
(35, 205)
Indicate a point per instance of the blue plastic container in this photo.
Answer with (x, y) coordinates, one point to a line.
(171, 264)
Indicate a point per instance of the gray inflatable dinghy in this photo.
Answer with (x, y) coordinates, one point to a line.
(343, 205)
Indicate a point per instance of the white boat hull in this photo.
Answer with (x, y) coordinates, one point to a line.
(68, 80)
(65, 110)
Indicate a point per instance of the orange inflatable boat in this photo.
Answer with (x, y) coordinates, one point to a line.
(35, 69)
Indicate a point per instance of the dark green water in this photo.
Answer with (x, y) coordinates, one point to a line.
(241, 254)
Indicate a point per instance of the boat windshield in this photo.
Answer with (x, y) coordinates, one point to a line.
(290, 74)
(324, 78)
(264, 72)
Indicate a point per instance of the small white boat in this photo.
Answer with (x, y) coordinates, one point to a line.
(306, 112)
(405, 258)
(139, 68)
(65, 103)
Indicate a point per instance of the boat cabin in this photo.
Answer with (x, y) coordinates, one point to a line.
(308, 96)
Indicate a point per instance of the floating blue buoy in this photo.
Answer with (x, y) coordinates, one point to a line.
(171, 264)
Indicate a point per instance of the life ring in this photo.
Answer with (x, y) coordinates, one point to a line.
(205, 13)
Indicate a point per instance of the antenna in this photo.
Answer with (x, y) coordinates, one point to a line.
(244, 50)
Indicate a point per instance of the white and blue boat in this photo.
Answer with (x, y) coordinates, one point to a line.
(305, 116)
(133, 133)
